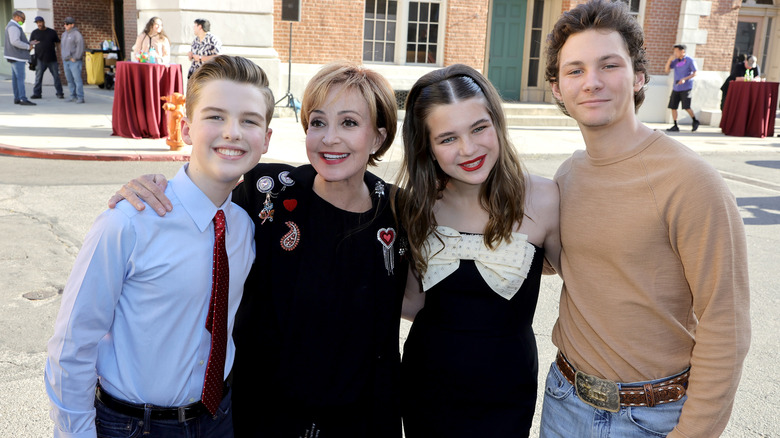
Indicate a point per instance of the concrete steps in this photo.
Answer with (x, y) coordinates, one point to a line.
(712, 117)
(536, 114)
(528, 114)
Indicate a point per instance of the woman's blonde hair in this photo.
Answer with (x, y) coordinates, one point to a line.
(372, 86)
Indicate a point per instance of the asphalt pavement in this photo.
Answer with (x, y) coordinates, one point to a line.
(47, 205)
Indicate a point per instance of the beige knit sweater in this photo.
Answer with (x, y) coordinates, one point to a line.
(655, 270)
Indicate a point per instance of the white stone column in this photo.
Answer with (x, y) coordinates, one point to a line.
(245, 27)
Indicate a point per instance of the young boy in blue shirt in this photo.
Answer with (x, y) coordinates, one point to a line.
(143, 340)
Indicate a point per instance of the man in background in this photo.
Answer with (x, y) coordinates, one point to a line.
(684, 70)
(46, 58)
(17, 53)
(72, 47)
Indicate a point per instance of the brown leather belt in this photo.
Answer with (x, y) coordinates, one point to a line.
(608, 395)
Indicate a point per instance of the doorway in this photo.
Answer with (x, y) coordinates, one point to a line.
(507, 34)
(745, 41)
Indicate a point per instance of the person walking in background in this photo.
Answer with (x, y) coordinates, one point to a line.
(654, 318)
(72, 48)
(17, 53)
(684, 70)
(46, 57)
(205, 46)
(153, 37)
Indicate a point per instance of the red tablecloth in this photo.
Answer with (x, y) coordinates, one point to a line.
(749, 110)
(137, 111)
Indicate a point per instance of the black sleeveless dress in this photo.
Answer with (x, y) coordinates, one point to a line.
(470, 362)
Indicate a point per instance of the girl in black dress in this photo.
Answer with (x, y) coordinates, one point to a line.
(479, 229)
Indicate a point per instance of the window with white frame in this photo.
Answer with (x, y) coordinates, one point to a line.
(402, 32)
(633, 7)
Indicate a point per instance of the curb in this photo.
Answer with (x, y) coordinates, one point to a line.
(88, 156)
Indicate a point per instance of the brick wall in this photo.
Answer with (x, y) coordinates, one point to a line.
(660, 25)
(333, 29)
(93, 19)
(130, 15)
(466, 35)
(329, 30)
(721, 26)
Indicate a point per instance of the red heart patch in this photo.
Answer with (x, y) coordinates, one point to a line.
(290, 204)
(387, 236)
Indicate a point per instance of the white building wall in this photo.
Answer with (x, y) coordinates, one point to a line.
(246, 28)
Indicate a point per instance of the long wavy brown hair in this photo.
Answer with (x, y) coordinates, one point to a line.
(150, 24)
(502, 195)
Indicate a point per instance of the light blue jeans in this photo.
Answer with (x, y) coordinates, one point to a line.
(17, 79)
(73, 74)
(564, 415)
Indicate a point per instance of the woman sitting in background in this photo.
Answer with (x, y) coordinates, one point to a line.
(153, 37)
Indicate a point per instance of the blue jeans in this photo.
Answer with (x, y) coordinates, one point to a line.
(111, 424)
(39, 70)
(565, 415)
(73, 75)
(17, 79)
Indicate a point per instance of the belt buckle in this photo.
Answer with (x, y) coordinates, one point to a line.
(596, 392)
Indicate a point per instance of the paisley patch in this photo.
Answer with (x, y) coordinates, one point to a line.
(292, 238)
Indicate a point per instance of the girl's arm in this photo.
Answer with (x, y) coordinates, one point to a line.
(414, 298)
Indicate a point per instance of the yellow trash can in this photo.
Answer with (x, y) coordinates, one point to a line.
(95, 68)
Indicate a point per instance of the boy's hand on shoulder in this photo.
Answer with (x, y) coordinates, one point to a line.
(149, 188)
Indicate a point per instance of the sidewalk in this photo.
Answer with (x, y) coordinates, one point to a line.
(57, 129)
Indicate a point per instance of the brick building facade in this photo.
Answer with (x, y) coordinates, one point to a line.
(336, 29)
(95, 19)
(404, 39)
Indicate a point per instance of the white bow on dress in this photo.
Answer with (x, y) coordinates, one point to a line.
(503, 269)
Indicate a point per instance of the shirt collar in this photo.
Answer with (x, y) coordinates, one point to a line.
(198, 206)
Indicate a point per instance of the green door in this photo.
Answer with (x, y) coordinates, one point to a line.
(505, 65)
(6, 9)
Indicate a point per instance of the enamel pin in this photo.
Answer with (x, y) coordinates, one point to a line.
(266, 185)
(292, 238)
(284, 178)
(379, 189)
(386, 237)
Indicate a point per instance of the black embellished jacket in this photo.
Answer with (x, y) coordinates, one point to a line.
(317, 331)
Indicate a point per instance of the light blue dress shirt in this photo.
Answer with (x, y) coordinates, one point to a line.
(134, 308)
